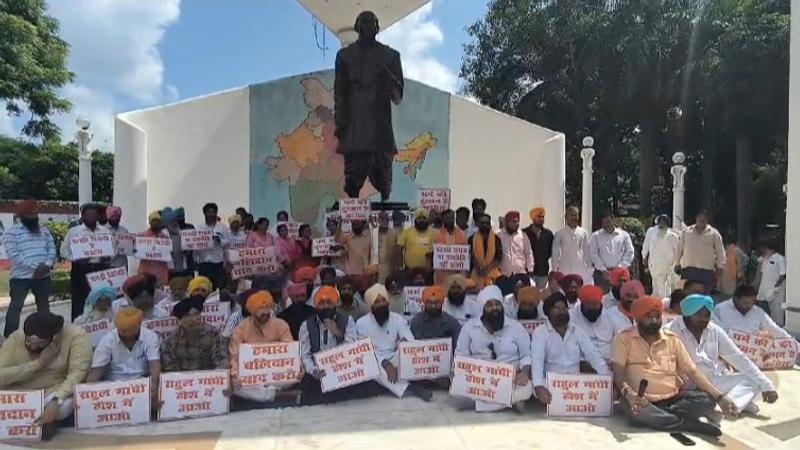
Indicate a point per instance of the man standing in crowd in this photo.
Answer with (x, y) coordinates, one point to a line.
(701, 255)
(194, 345)
(32, 253)
(772, 289)
(571, 247)
(449, 234)
(712, 350)
(114, 216)
(558, 346)
(458, 304)
(658, 254)
(462, 219)
(432, 322)
(159, 269)
(541, 240)
(610, 247)
(357, 247)
(487, 253)
(740, 313)
(210, 263)
(517, 253)
(237, 237)
(417, 242)
(48, 355)
(78, 285)
(646, 352)
(478, 209)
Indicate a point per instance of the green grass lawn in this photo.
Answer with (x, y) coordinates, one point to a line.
(4, 283)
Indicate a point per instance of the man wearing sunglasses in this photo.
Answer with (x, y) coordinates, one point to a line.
(495, 337)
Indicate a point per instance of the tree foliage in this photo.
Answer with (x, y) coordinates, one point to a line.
(32, 65)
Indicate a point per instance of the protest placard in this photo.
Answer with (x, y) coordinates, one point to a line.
(216, 314)
(114, 277)
(354, 208)
(253, 261)
(752, 345)
(486, 381)
(781, 355)
(161, 327)
(264, 364)
(347, 365)
(185, 395)
(153, 248)
(321, 247)
(18, 411)
(434, 199)
(292, 227)
(531, 325)
(580, 395)
(426, 359)
(112, 403)
(451, 257)
(88, 246)
(413, 295)
(96, 330)
(125, 243)
(193, 240)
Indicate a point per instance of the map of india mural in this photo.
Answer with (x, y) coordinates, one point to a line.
(296, 167)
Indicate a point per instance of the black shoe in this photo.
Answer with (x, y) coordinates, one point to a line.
(519, 408)
(48, 431)
(420, 392)
(698, 427)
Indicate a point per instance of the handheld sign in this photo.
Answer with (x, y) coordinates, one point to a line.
(531, 325)
(96, 330)
(253, 261)
(161, 327)
(354, 208)
(292, 227)
(154, 248)
(216, 314)
(434, 199)
(197, 240)
(112, 403)
(347, 365)
(87, 246)
(782, 355)
(451, 257)
(481, 380)
(186, 395)
(426, 359)
(413, 295)
(752, 345)
(265, 364)
(580, 395)
(125, 243)
(18, 411)
(114, 278)
(321, 247)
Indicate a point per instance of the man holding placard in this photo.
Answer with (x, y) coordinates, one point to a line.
(46, 354)
(210, 263)
(712, 350)
(148, 262)
(449, 234)
(557, 347)
(194, 345)
(739, 313)
(114, 215)
(497, 338)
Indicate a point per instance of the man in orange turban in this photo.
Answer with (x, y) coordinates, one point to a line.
(591, 318)
(432, 322)
(529, 301)
(261, 327)
(646, 352)
(541, 240)
(616, 278)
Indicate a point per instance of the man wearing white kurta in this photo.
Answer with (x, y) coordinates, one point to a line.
(710, 348)
(659, 252)
(495, 337)
(592, 318)
(740, 313)
(571, 248)
(772, 289)
(610, 247)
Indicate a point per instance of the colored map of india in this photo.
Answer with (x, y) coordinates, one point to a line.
(308, 162)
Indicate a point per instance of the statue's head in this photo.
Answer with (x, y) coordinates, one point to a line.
(367, 26)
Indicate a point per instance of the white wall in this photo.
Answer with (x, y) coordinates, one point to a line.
(197, 151)
(511, 163)
(793, 183)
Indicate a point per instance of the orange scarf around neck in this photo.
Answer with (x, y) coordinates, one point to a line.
(484, 257)
(457, 238)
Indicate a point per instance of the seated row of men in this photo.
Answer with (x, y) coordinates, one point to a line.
(683, 362)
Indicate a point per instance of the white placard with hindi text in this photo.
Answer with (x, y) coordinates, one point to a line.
(354, 208)
(292, 227)
(96, 330)
(752, 345)
(89, 246)
(451, 257)
(426, 359)
(481, 380)
(781, 355)
(161, 327)
(347, 365)
(265, 364)
(434, 199)
(580, 395)
(186, 395)
(153, 248)
(321, 247)
(413, 295)
(114, 277)
(125, 243)
(194, 240)
(253, 261)
(18, 411)
(216, 314)
(112, 403)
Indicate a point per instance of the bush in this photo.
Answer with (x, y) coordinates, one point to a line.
(60, 285)
(635, 227)
(58, 230)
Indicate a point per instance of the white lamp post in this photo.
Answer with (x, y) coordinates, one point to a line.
(587, 154)
(83, 137)
(678, 189)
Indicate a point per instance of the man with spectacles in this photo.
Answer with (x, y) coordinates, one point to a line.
(495, 337)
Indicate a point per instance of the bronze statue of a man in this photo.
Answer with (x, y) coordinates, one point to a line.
(369, 78)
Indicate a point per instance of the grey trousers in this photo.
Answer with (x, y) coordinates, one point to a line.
(670, 414)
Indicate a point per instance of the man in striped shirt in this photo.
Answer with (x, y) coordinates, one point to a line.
(32, 253)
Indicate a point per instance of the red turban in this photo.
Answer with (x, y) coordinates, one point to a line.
(136, 279)
(643, 305)
(304, 274)
(557, 276)
(590, 294)
(618, 275)
(571, 278)
(512, 215)
(27, 208)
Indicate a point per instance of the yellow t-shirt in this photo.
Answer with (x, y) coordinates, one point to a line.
(417, 245)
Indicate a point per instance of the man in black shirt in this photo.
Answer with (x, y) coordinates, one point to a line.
(542, 245)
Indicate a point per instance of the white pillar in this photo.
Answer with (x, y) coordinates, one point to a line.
(587, 154)
(793, 180)
(678, 189)
(83, 137)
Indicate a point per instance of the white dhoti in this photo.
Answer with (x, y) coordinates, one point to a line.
(775, 302)
(519, 394)
(737, 387)
(397, 389)
(663, 279)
